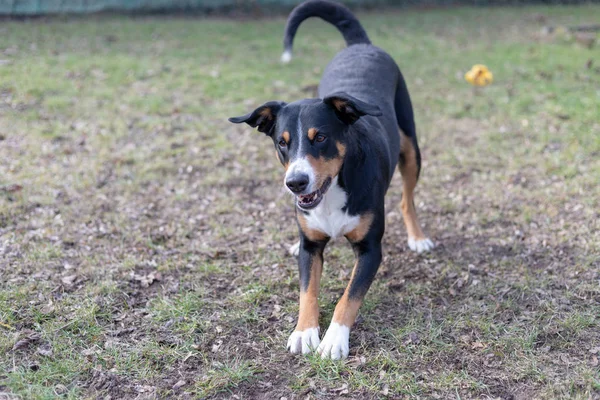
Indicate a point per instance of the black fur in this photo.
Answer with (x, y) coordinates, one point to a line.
(349, 109)
(331, 12)
(308, 250)
(363, 104)
(263, 117)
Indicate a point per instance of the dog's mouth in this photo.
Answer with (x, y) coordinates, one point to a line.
(311, 200)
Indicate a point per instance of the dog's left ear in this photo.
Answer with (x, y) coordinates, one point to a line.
(349, 109)
(264, 117)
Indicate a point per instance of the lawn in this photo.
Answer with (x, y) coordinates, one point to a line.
(143, 238)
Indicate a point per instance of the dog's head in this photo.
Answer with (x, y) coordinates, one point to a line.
(310, 137)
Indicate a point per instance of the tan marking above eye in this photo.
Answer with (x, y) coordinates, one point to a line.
(286, 136)
(312, 132)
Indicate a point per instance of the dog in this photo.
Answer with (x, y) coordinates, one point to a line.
(339, 152)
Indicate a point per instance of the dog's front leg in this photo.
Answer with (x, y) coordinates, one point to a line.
(335, 344)
(305, 337)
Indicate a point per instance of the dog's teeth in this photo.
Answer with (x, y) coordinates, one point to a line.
(306, 199)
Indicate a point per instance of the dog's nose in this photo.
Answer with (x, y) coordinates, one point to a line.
(297, 182)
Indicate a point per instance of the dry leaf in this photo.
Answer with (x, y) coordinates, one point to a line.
(68, 280)
(413, 338)
(144, 388)
(45, 350)
(147, 280)
(48, 308)
(465, 339)
(27, 338)
(179, 384)
(88, 352)
(341, 390)
(276, 313)
(357, 361)
(215, 347)
(386, 390)
(60, 389)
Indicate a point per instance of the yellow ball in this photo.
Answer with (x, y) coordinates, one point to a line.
(479, 75)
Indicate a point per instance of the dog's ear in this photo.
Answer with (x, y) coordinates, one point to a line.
(263, 117)
(349, 109)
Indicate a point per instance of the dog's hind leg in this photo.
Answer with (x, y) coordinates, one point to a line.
(410, 168)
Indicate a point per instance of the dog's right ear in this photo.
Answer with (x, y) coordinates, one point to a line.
(349, 109)
(264, 117)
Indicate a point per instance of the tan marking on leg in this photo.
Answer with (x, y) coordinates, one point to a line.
(312, 234)
(409, 171)
(346, 309)
(308, 316)
(286, 136)
(327, 168)
(361, 230)
(312, 132)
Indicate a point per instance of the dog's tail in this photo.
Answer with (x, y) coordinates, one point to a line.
(334, 13)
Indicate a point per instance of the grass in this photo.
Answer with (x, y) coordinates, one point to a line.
(143, 238)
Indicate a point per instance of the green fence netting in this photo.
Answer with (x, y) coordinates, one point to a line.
(40, 7)
(43, 7)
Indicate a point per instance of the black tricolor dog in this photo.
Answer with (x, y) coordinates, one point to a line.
(340, 152)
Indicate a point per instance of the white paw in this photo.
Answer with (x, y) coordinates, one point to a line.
(335, 344)
(420, 246)
(295, 249)
(303, 341)
(286, 57)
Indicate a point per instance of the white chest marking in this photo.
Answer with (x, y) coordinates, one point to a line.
(328, 216)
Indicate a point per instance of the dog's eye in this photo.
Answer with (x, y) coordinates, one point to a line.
(320, 138)
(282, 143)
